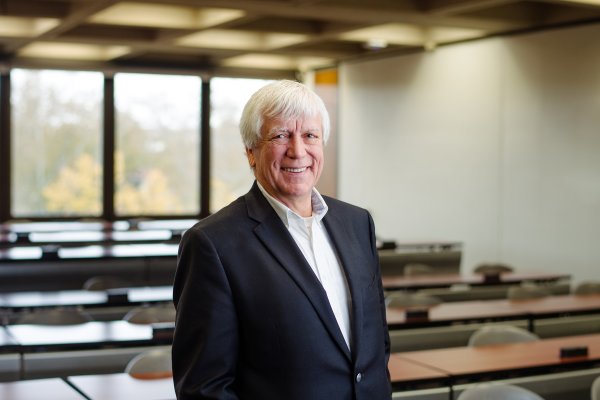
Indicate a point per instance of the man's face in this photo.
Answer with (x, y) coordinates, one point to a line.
(289, 159)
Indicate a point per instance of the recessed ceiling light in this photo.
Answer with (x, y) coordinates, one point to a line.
(240, 40)
(72, 51)
(268, 61)
(376, 44)
(164, 16)
(25, 27)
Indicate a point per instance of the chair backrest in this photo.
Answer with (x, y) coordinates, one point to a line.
(492, 268)
(151, 364)
(497, 391)
(596, 389)
(416, 269)
(151, 314)
(411, 300)
(498, 334)
(585, 288)
(55, 316)
(97, 283)
(527, 292)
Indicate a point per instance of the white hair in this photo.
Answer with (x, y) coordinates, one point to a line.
(283, 99)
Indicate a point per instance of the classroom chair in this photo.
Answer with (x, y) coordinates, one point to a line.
(151, 314)
(596, 389)
(416, 269)
(527, 291)
(497, 391)
(492, 268)
(98, 283)
(498, 334)
(410, 300)
(588, 287)
(151, 364)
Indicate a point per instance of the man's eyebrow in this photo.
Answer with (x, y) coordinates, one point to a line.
(278, 129)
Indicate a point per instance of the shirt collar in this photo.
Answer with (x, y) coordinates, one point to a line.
(319, 207)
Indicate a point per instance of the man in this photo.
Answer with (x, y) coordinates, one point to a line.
(279, 295)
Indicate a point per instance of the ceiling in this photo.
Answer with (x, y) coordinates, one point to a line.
(257, 37)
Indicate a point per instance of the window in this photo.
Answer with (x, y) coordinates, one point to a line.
(56, 167)
(231, 176)
(157, 144)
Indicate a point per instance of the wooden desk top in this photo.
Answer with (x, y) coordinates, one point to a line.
(493, 359)
(555, 305)
(47, 389)
(123, 387)
(439, 281)
(482, 310)
(459, 311)
(403, 370)
(87, 335)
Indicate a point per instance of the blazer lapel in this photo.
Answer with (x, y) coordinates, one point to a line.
(352, 262)
(274, 235)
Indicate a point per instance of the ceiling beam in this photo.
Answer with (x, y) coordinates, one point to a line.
(449, 7)
(80, 13)
(344, 13)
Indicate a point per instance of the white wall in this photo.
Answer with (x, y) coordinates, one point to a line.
(495, 143)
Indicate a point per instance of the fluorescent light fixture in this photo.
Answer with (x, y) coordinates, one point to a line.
(240, 40)
(266, 61)
(376, 44)
(164, 16)
(25, 27)
(410, 35)
(72, 51)
(399, 34)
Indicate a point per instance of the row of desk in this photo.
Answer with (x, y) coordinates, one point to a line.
(33, 351)
(410, 371)
(164, 293)
(442, 314)
(28, 343)
(86, 298)
(81, 253)
(400, 282)
(446, 313)
(496, 310)
(456, 367)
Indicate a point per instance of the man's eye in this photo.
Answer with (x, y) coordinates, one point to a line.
(280, 138)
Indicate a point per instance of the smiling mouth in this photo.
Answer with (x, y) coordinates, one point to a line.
(295, 170)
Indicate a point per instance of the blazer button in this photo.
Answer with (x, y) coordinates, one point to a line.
(358, 377)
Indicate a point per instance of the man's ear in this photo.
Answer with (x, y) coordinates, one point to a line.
(251, 159)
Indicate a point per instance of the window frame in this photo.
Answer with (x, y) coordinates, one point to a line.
(108, 149)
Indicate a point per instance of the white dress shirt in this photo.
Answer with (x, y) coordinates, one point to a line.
(311, 237)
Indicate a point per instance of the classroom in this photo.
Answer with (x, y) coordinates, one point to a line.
(468, 129)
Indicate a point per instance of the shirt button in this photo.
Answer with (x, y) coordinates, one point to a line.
(358, 377)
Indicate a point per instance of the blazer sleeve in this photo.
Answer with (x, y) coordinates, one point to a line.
(205, 342)
(379, 280)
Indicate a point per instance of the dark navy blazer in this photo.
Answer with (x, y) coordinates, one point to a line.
(254, 322)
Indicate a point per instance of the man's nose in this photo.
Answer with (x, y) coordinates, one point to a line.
(296, 147)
